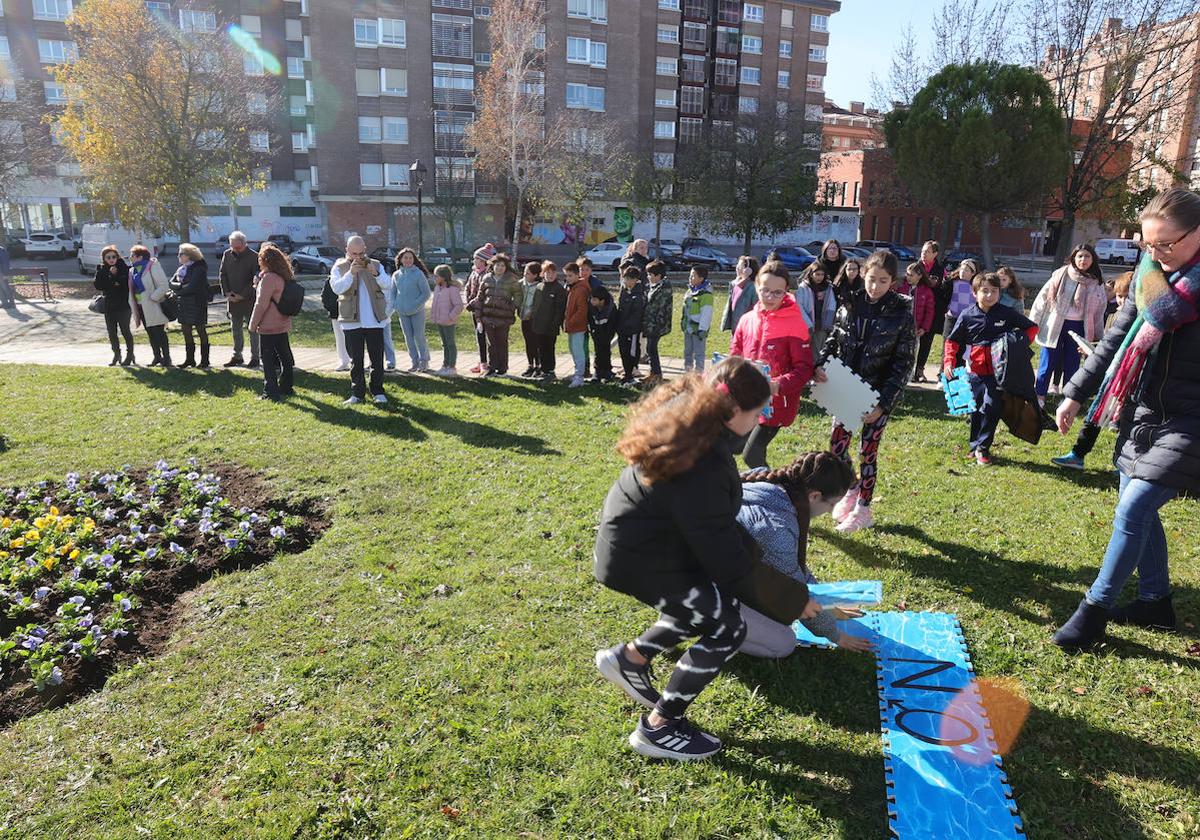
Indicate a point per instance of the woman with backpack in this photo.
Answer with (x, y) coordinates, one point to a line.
(272, 325)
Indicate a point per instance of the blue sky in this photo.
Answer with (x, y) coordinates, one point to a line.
(861, 37)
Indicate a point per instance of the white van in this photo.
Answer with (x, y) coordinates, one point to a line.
(97, 236)
(1119, 251)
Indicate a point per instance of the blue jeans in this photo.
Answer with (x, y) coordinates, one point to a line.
(389, 349)
(1138, 542)
(1066, 355)
(693, 351)
(414, 337)
(577, 344)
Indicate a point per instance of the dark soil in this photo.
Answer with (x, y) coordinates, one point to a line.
(159, 612)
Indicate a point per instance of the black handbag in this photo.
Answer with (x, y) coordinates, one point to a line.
(99, 304)
(170, 307)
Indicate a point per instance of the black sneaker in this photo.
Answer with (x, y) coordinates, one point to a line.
(677, 740)
(634, 680)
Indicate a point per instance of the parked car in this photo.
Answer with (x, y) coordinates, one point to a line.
(793, 257)
(48, 245)
(386, 255)
(220, 247)
(669, 248)
(456, 258)
(694, 242)
(315, 259)
(102, 234)
(706, 256)
(901, 252)
(1119, 251)
(856, 252)
(283, 242)
(606, 255)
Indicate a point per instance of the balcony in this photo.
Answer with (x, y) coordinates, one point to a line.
(700, 10)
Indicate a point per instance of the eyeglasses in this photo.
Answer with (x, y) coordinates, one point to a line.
(1165, 248)
(772, 293)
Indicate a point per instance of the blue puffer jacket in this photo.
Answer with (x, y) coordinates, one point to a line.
(410, 290)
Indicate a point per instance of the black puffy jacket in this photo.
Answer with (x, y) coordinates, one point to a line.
(638, 261)
(880, 349)
(115, 286)
(192, 292)
(670, 536)
(1159, 436)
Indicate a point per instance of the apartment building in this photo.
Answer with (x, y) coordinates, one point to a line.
(847, 129)
(372, 88)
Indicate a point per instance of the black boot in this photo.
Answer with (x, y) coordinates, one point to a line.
(236, 361)
(1157, 615)
(204, 356)
(116, 360)
(129, 360)
(1083, 629)
(189, 360)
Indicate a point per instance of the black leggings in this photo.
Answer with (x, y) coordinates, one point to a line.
(923, 347)
(119, 320)
(704, 612)
(159, 343)
(755, 453)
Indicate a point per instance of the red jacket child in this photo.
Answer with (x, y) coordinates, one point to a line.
(923, 306)
(780, 338)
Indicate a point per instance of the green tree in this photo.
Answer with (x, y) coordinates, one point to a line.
(984, 137)
(161, 119)
(652, 194)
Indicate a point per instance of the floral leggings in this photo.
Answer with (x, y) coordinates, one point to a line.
(868, 451)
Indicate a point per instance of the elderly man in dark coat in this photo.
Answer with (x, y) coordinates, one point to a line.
(239, 267)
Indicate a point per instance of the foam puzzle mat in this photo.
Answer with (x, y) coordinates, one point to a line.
(959, 398)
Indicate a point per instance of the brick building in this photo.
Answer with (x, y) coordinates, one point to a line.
(847, 129)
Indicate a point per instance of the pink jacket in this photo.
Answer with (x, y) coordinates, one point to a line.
(447, 304)
(923, 307)
(266, 318)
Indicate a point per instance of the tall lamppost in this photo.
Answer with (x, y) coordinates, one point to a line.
(416, 174)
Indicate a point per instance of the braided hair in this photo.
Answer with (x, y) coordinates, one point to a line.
(823, 472)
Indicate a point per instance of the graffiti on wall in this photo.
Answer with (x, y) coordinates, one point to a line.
(549, 229)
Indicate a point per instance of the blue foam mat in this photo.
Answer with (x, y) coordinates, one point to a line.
(839, 592)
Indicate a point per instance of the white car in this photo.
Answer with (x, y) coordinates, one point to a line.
(48, 244)
(606, 254)
(1119, 251)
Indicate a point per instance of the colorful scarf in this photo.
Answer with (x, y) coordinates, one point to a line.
(135, 278)
(1163, 307)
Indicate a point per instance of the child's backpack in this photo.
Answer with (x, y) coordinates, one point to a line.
(291, 299)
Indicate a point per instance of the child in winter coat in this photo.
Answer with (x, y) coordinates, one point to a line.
(775, 332)
(977, 327)
(848, 280)
(669, 537)
(1073, 300)
(496, 304)
(923, 306)
(1012, 293)
(481, 258)
(960, 296)
(444, 311)
(602, 324)
(410, 290)
(575, 321)
(657, 321)
(817, 301)
(549, 304)
(875, 336)
(696, 318)
(529, 284)
(632, 308)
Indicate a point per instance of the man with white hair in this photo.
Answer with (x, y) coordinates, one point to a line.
(362, 287)
(239, 267)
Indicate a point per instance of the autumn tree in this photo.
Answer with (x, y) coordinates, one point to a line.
(595, 164)
(160, 119)
(25, 150)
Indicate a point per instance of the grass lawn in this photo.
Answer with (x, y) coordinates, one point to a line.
(425, 669)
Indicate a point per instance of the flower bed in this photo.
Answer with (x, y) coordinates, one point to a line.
(90, 567)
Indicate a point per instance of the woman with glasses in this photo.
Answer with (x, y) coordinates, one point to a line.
(1072, 301)
(112, 279)
(148, 285)
(774, 334)
(1146, 374)
(190, 285)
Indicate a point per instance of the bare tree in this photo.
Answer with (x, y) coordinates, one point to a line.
(595, 165)
(509, 136)
(653, 193)
(1120, 78)
(24, 147)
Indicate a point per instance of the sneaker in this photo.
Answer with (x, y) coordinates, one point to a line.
(576, 382)
(412, 368)
(254, 364)
(858, 519)
(528, 372)
(843, 508)
(677, 740)
(341, 368)
(351, 401)
(1071, 461)
(475, 369)
(983, 458)
(449, 371)
(236, 361)
(379, 399)
(634, 680)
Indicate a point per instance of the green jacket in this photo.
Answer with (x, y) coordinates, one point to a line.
(697, 309)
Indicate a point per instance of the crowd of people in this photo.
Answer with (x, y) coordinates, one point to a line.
(721, 554)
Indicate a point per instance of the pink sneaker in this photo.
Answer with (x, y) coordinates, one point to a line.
(476, 369)
(843, 508)
(858, 519)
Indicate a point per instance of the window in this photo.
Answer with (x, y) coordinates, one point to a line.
(577, 50)
(252, 65)
(483, 11)
(752, 12)
(664, 130)
(1087, 107)
(51, 9)
(157, 9)
(694, 69)
(785, 79)
(691, 129)
(747, 105)
(452, 36)
(366, 32)
(665, 160)
(785, 18)
(816, 53)
(483, 58)
(449, 130)
(297, 105)
(785, 49)
(256, 103)
(5, 50)
(585, 97)
(370, 130)
(298, 212)
(56, 52)
(815, 82)
(295, 67)
(453, 4)
(454, 176)
(191, 20)
(293, 30)
(453, 84)
(260, 141)
(664, 98)
(781, 109)
(670, 5)
(751, 75)
(819, 23)
(299, 142)
(695, 36)
(595, 10)
(728, 40)
(395, 129)
(729, 11)
(252, 24)
(392, 33)
(370, 174)
(599, 54)
(366, 82)
(668, 34)
(666, 66)
(55, 93)
(752, 44)
(395, 176)
(726, 72)
(393, 82)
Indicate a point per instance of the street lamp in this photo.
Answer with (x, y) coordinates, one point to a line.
(416, 174)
